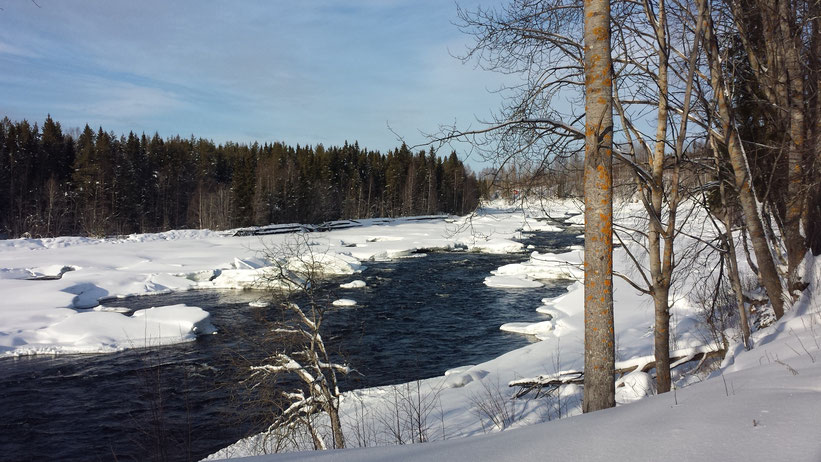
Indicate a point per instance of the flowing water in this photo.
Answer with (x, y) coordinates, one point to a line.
(416, 318)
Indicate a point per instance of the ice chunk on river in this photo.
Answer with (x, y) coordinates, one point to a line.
(106, 331)
(357, 284)
(539, 329)
(511, 282)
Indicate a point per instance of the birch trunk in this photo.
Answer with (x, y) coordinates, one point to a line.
(599, 352)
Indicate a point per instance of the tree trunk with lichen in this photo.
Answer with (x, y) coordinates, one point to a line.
(599, 352)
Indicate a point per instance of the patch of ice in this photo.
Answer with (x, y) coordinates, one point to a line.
(112, 309)
(357, 284)
(529, 328)
(15, 273)
(86, 294)
(250, 263)
(495, 246)
(458, 370)
(511, 282)
(533, 225)
(344, 302)
(327, 263)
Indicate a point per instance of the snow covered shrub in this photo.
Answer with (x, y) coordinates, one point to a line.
(490, 404)
(296, 374)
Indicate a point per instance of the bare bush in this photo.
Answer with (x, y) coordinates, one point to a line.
(490, 404)
(406, 417)
(297, 376)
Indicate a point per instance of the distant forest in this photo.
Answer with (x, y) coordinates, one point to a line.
(96, 183)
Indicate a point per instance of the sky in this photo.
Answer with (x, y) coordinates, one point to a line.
(305, 72)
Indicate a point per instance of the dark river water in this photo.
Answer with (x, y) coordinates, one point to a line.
(416, 318)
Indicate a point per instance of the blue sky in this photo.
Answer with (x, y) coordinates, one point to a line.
(304, 72)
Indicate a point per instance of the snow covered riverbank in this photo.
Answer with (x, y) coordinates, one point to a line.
(760, 405)
(52, 288)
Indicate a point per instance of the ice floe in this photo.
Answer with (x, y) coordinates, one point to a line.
(108, 331)
(511, 282)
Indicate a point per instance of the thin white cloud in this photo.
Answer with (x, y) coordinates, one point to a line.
(118, 100)
(9, 49)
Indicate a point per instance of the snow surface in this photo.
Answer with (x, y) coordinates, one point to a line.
(47, 285)
(107, 331)
(511, 282)
(759, 405)
(355, 284)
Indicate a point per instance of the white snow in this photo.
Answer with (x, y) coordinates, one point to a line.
(344, 302)
(760, 405)
(108, 331)
(539, 329)
(355, 284)
(86, 271)
(546, 266)
(511, 282)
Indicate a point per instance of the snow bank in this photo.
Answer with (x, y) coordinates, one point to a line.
(561, 348)
(768, 414)
(538, 329)
(762, 404)
(546, 266)
(108, 331)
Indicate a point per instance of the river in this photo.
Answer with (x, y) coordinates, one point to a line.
(416, 318)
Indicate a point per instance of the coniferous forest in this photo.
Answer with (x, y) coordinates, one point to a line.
(96, 183)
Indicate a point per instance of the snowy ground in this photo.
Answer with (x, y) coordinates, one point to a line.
(760, 405)
(54, 290)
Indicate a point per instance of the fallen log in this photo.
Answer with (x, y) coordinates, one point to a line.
(546, 384)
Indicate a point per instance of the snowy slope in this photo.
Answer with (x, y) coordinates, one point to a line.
(762, 405)
(765, 414)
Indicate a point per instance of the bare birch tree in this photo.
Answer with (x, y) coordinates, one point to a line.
(298, 350)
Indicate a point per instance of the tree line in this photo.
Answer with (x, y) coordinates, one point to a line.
(55, 182)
